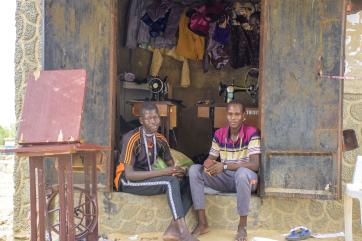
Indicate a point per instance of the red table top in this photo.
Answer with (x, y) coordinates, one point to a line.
(53, 107)
(55, 149)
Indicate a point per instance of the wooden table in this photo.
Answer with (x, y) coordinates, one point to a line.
(54, 124)
(39, 191)
(167, 111)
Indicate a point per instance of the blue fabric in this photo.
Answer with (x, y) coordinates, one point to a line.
(156, 27)
(221, 35)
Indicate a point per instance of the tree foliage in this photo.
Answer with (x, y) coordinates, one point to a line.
(6, 132)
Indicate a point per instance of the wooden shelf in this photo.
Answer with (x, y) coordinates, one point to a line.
(135, 86)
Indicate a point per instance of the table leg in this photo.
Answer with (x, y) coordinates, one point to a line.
(91, 163)
(167, 125)
(69, 199)
(42, 198)
(33, 208)
(62, 199)
(163, 125)
(37, 207)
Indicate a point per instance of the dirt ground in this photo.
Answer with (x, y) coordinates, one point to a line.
(214, 235)
(6, 197)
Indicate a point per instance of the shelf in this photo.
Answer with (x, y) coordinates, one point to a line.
(135, 86)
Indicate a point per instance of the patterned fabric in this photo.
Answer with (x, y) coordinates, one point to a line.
(247, 144)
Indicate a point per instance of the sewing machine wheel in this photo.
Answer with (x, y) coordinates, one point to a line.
(155, 85)
(251, 77)
(85, 212)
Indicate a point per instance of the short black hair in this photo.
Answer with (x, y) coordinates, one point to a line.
(148, 106)
(236, 102)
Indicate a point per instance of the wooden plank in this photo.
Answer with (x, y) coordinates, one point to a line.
(53, 106)
(299, 109)
(78, 34)
(109, 167)
(50, 150)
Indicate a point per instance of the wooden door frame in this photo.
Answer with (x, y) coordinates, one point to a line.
(261, 100)
(113, 90)
(112, 85)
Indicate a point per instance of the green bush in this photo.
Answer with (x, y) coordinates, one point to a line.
(6, 133)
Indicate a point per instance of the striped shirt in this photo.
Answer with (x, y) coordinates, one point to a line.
(247, 144)
(134, 153)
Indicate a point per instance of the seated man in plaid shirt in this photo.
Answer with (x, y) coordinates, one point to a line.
(238, 147)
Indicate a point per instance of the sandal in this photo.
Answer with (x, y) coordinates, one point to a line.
(298, 233)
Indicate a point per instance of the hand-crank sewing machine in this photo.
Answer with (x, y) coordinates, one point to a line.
(158, 88)
(216, 112)
(249, 85)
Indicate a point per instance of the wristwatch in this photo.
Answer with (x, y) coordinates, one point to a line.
(225, 167)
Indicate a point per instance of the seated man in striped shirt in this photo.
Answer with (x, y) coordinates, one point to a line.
(134, 174)
(238, 147)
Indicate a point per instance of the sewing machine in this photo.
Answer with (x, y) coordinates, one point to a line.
(158, 88)
(230, 90)
(249, 85)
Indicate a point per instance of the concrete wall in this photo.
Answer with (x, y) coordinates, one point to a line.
(274, 213)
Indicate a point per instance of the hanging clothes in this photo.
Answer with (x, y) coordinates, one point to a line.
(254, 36)
(157, 60)
(202, 15)
(156, 27)
(137, 31)
(239, 47)
(189, 44)
(215, 51)
(163, 28)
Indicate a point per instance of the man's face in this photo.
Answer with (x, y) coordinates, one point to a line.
(235, 116)
(150, 121)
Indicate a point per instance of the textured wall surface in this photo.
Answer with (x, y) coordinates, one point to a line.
(27, 60)
(270, 213)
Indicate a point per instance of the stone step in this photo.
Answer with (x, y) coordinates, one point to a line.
(130, 214)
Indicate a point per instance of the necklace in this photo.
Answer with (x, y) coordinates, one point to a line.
(148, 135)
(234, 154)
(146, 148)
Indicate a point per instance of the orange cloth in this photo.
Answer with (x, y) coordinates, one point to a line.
(189, 44)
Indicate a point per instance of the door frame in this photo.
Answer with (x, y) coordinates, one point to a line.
(263, 39)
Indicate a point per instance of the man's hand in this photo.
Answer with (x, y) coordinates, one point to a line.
(215, 168)
(174, 171)
(178, 172)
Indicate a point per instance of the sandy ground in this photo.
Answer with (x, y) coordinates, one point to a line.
(214, 235)
(6, 197)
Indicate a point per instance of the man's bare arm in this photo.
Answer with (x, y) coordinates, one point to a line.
(253, 164)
